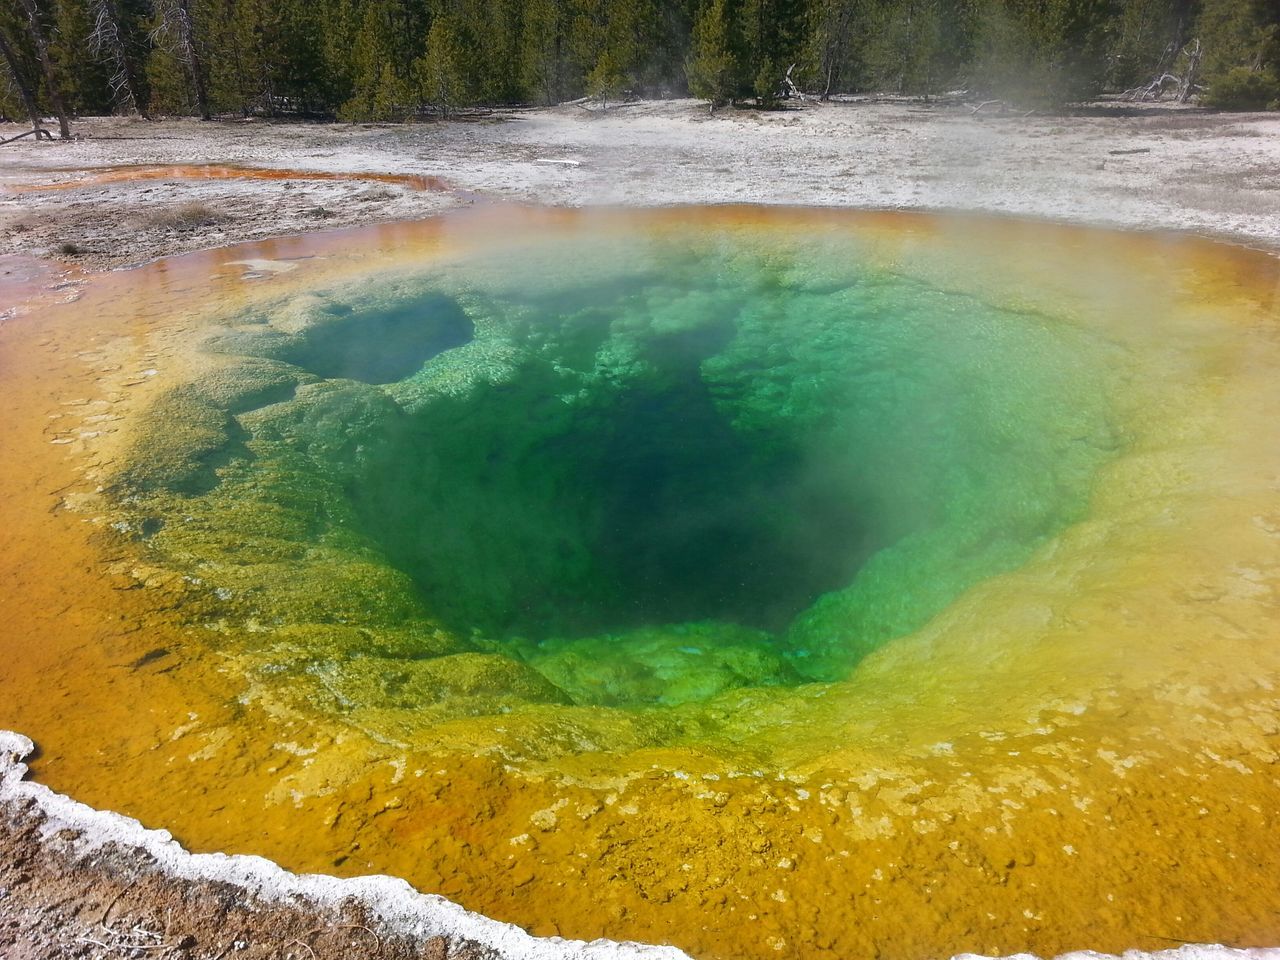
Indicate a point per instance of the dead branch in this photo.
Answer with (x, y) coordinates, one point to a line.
(361, 926)
(289, 943)
(789, 88)
(1194, 54)
(175, 31)
(105, 38)
(1183, 84)
(102, 920)
(39, 133)
(1153, 90)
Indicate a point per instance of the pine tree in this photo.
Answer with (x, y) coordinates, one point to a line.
(1042, 52)
(605, 82)
(494, 50)
(180, 36)
(441, 82)
(340, 25)
(906, 54)
(542, 51)
(1242, 53)
(712, 67)
(297, 67)
(837, 45)
(771, 37)
(379, 91)
(1144, 38)
(110, 39)
(381, 59)
(84, 74)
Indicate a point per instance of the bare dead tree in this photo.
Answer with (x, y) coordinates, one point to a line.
(1191, 74)
(24, 89)
(1183, 84)
(106, 40)
(41, 43)
(836, 27)
(176, 31)
(789, 88)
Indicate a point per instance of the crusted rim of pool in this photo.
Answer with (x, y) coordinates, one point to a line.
(393, 903)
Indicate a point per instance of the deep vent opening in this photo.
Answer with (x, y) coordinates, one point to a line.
(724, 466)
(697, 524)
(642, 505)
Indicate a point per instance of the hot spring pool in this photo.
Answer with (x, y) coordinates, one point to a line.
(761, 582)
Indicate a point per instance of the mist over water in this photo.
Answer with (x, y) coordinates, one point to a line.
(766, 582)
(650, 469)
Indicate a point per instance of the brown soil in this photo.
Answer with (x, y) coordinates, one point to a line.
(116, 904)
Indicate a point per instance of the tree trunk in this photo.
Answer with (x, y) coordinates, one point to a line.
(229, 15)
(194, 59)
(38, 39)
(24, 88)
(178, 28)
(1194, 54)
(107, 32)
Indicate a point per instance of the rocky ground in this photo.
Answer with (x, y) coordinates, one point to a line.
(55, 903)
(1151, 167)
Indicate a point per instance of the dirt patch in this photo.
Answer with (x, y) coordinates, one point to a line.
(116, 903)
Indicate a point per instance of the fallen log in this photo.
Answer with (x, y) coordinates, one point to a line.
(39, 133)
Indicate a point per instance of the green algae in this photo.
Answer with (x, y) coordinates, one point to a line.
(683, 465)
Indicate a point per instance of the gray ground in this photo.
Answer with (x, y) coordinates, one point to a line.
(1146, 167)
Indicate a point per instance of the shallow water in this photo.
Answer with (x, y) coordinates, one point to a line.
(756, 581)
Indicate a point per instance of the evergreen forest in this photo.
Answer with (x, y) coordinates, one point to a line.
(384, 60)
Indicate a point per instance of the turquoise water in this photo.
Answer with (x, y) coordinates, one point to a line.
(622, 470)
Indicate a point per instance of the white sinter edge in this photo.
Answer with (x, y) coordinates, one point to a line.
(393, 901)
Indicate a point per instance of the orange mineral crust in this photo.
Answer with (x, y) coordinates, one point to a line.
(133, 173)
(1079, 750)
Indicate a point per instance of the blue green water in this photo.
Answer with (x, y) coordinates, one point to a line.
(617, 469)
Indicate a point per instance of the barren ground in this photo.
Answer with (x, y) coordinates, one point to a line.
(1151, 167)
(54, 903)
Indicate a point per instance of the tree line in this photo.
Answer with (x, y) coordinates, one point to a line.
(399, 59)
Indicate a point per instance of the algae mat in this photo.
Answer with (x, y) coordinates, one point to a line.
(757, 581)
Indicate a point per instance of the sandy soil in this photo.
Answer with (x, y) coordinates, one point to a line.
(1154, 167)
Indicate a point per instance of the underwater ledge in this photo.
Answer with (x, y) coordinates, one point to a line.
(75, 834)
